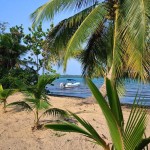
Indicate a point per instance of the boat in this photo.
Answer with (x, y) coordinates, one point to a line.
(70, 84)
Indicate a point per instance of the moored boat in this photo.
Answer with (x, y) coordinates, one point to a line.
(70, 84)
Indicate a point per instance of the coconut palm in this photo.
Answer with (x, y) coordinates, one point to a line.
(4, 94)
(115, 32)
(129, 137)
(11, 48)
(36, 99)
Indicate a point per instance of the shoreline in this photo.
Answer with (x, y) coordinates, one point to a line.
(92, 101)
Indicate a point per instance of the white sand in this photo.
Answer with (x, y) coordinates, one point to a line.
(16, 133)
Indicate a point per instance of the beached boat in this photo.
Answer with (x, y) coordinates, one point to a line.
(70, 84)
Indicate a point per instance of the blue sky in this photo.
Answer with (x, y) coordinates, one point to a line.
(17, 12)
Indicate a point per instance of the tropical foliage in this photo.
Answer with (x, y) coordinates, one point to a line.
(11, 49)
(37, 100)
(12, 64)
(35, 42)
(4, 94)
(114, 35)
(129, 137)
(3, 26)
(17, 53)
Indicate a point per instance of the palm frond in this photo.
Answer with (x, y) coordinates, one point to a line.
(120, 86)
(95, 136)
(23, 105)
(60, 35)
(42, 104)
(7, 92)
(66, 29)
(115, 130)
(51, 8)
(68, 127)
(94, 55)
(56, 112)
(31, 100)
(114, 103)
(44, 80)
(135, 127)
(88, 26)
(143, 144)
(135, 22)
(21, 85)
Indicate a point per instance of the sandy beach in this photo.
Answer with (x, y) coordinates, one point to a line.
(16, 132)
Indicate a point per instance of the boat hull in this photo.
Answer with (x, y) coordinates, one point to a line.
(69, 85)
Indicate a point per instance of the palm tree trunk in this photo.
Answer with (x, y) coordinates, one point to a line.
(102, 89)
(36, 119)
(111, 74)
(4, 108)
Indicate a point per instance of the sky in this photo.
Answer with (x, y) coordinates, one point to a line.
(17, 12)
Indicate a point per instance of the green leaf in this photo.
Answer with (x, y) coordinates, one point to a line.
(135, 127)
(67, 127)
(114, 103)
(7, 92)
(41, 104)
(56, 112)
(144, 143)
(1, 88)
(49, 9)
(135, 35)
(87, 27)
(32, 100)
(43, 81)
(62, 33)
(94, 135)
(114, 128)
(21, 104)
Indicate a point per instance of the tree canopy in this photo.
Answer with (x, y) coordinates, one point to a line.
(115, 33)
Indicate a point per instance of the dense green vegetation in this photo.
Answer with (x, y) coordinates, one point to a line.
(12, 65)
(17, 51)
(20, 70)
(35, 42)
(11, 50)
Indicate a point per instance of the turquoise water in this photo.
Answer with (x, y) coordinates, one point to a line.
(132, 87)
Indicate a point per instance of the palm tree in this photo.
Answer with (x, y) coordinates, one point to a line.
(36, 99)
(115, 32)
(4, 94)
(129, 137)
(11, 48)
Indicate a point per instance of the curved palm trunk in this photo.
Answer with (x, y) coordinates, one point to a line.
(111, 74)
(102, 89)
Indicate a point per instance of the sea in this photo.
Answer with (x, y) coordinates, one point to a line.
(133, 89)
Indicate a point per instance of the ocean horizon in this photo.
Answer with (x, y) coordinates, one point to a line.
(133, 89)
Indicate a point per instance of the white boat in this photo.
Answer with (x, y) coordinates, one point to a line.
(70, 84)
